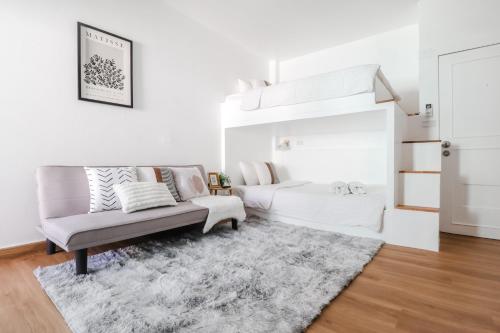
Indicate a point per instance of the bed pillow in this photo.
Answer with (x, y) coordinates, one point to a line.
(249, 173)
(274, 174)
(263, 173)
(244, 86)
(143, 195)
(189, 183)
(101, 181)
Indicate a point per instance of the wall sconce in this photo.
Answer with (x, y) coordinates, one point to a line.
(284, 144)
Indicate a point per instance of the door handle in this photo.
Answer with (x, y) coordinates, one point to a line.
(446, 144)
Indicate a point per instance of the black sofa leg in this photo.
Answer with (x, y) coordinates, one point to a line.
(81, 261)
(50, 247)
(234, 224)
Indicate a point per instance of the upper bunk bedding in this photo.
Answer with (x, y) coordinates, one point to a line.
(342, 83)
(316, 203)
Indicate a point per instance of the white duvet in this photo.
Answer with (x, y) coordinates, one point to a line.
(261, 196)
(341, 83)
(316, 203)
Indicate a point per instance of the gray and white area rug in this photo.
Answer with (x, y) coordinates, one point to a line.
(265, 277)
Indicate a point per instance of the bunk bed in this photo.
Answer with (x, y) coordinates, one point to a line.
(353, 93)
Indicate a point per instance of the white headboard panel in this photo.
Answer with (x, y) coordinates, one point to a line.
(250, 143)
(322, 150)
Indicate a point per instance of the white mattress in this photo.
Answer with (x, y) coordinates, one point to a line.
(346, 82)
(314, 203)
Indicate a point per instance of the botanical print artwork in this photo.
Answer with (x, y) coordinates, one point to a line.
(103, 72)
(104, 67)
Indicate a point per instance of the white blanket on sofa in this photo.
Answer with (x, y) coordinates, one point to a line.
(220, 208)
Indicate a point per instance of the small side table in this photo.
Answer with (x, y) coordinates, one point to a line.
(215, 190)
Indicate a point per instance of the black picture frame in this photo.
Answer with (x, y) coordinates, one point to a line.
(81, 26)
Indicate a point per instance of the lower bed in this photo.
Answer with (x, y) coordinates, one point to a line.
(314, 205)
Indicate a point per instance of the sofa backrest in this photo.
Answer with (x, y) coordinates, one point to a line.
(64, 190)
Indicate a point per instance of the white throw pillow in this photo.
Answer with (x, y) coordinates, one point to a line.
(249, 173)
(101, 181)
(263, 173)
(258, 83)
(189, 183)
(143, 195)
(244, 86)
(146, 174)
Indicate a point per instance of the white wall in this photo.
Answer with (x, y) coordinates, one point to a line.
(249, 143)
(341, 148)
(181, 72)
(396, 51)
(322, 150)
(448, 26)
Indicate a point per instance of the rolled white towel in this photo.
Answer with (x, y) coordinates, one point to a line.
(339, 188)
(357, 188)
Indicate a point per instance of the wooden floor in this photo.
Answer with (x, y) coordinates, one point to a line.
(401, 290)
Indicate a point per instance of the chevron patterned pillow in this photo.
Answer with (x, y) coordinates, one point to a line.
(101, 181)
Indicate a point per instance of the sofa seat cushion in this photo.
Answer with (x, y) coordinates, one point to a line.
(86, 230)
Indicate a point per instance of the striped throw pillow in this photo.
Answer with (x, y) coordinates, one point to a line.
(168, 179)
(143, 195)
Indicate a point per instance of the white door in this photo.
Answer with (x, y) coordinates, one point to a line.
(469, 103)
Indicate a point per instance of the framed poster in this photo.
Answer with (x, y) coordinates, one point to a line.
(104, 67)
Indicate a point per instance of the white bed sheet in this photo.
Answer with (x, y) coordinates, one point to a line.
(316, 204)
(262, 196)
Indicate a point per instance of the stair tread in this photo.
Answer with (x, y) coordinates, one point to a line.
(418, 208)
(421, 141)
(385, 101)
(420, 171)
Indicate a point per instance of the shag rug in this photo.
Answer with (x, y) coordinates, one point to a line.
(265, 277)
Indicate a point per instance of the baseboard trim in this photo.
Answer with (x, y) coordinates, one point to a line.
(22, 249)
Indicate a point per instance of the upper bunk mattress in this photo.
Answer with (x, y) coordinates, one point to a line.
(341, 83)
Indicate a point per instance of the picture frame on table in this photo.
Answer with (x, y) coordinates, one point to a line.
(213, 179)
(105, 72)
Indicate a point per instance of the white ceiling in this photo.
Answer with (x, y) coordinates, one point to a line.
(284, 29)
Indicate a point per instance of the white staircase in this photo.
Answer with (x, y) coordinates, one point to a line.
(421, 155)
(419, 188)
(417, 209)
(419, 178)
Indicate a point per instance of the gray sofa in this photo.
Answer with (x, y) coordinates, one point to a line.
(63, 195)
